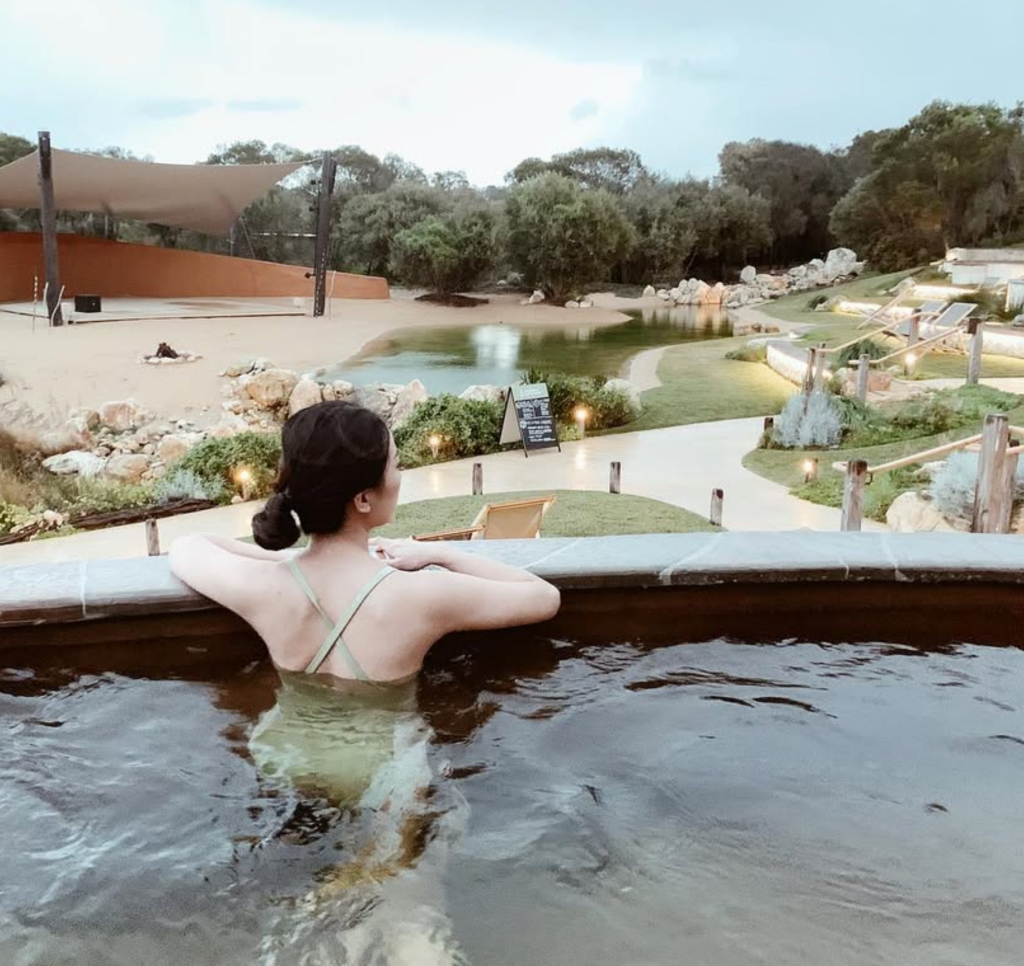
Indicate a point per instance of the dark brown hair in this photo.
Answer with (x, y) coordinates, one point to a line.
(330, 453)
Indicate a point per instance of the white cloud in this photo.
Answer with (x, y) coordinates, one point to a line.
(442, 101)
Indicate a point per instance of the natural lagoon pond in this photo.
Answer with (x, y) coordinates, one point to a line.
(451, 358)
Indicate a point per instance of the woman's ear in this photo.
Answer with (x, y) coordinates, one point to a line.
(362, 502)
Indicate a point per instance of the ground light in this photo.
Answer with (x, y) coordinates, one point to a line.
(581, 420)
(244, 477)
(909, 361)
(810, 468)
(434, 441)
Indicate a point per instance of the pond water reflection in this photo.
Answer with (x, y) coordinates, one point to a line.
(451, 358)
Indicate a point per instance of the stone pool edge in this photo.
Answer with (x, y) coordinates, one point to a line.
(72, 593)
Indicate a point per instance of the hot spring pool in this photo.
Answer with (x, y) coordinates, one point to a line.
(708, 803)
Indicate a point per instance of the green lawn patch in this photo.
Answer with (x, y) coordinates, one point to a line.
(700, 385)
(575, 514)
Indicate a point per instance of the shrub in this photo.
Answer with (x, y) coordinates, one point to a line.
(466, 427)
(748, 353)
(450, 253)
(821, 425)
(866, 347)
(607, 407)
(611, 407)
(217, 461)
(104, 496)
(185, 484)
(878, 497)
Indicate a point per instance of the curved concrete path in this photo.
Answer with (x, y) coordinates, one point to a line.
(678, 465)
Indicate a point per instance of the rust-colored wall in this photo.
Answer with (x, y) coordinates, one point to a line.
(99, 267)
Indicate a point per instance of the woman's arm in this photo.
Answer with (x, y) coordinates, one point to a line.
(413, 555)
(220, 568)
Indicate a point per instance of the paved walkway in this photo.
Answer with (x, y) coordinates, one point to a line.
(679, 465)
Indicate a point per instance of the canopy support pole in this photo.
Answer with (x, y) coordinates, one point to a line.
(48, 218)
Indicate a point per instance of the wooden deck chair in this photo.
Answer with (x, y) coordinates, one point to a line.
(515, 520)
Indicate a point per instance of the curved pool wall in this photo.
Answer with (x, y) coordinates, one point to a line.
(926, 589)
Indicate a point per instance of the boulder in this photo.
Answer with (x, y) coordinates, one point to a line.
(305, 394)
(912, 513)
(123, 415)
(797, 272)
(572, 304)
(586, 303)
(625, 386)
(408, 399)
(840, 261)
(376, 398)
(749, 275)
(127, 468)
(85, 416)
(78, 428)
(484, 393)
(663, 294)
(816, 268)
(715, 295)
(538, 296)
(701, 292)
(75, 463)
(228, 426)
(340, 390)
(272, 388)
(649, 292)
(879, 380)
(171, 448)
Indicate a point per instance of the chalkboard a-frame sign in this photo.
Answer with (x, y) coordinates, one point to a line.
(528, 418)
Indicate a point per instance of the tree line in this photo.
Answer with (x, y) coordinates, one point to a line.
(952, 175)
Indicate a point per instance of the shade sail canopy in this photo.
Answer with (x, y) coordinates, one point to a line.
(203, 197)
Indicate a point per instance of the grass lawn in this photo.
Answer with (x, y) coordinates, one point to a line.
(700, 385)
(576, 514)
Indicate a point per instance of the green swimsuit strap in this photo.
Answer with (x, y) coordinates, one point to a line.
(334, 637)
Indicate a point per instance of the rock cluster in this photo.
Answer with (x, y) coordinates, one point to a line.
(122, 441)
(754, 287)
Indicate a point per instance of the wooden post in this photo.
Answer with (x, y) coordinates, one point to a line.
(989, 498)
(717, 499)
(152, 538)
(323, 233)
(853, 495)
(976, 330)
(48, 220)
(769, 423)
(235, 241)
(478, 479)
(913, 329)
(812, 362)
(1004, 514)
(615, 478)
(863, 375)
(819, 367)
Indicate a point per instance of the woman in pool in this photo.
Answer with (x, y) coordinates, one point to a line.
(347, 623)
(342, 608)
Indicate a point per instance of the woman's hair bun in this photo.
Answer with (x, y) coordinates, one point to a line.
(274, 527)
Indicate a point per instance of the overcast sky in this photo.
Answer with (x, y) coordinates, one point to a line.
(479, 85)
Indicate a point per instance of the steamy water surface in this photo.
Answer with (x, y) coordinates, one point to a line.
(542, 802)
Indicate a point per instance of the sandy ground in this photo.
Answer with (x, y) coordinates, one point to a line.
(50, 371)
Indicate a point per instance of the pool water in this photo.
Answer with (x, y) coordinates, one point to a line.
(449, 359)
(712, 802)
